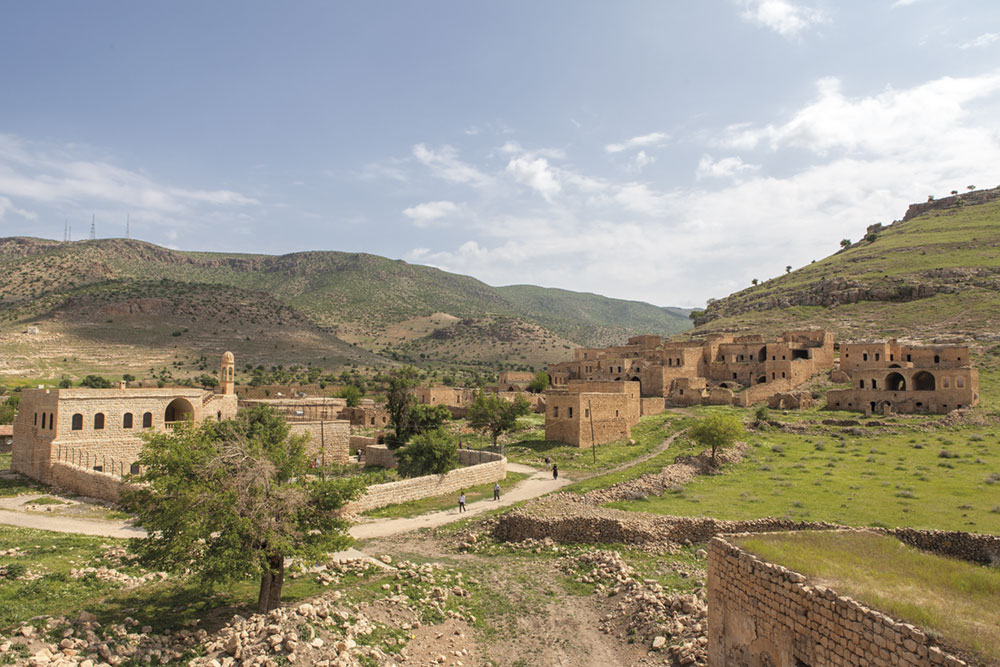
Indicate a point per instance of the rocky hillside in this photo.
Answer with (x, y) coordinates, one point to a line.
(936, 272)
(360, 308)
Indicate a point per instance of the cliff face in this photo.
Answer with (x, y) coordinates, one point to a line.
(945, 253)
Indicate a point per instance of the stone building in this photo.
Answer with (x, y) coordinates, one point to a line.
(891, 377)
(302, 409)
(322, 419)
(450, 397)
(582, 413)
(100, 428)
(366, 414)
(514, 380)
(718, 369)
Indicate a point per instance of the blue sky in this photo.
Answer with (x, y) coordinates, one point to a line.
(668, 152)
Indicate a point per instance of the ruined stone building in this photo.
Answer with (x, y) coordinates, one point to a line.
(582, 413)
(514, 380)
(99, 428)
(891, 377)
(452, 397)
(719, 369)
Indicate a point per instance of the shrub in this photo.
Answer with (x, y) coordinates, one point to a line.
(430, 453)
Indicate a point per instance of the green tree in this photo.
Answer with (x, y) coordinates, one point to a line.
(230, 500)
(788, 269)
(430, 453)
(493, 416)
(207, 381)
(8, 408)
(539, 383)
(65, 383)
(128, 377)
(695, 314)
(845, 243)
(754, 281)
(351, 394)
(96, 382)
(716, 431)
(399, 403)
(424, 418)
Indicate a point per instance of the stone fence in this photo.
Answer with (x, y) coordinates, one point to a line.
(761, 613)
(479, 467)
(86, 481)
(89, 460)
(567, 519)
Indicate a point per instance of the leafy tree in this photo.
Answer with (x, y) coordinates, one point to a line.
(128, 377)
(845, 243)
(716, 431)
(430, 453)
(493, 416)
(96, 382)
(8, 408)
(871, 237)
(351, 394)
(788, 269)
(954, 192)
(425, 418)
(65, 383)
(230, 500)
(399, 403)
(207, 381)
(539, 383)
(970, 188)
(754, 281)
(695, 314)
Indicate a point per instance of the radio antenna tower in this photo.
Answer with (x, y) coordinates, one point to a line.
(128, 226)
(93, 227)
(66, 230)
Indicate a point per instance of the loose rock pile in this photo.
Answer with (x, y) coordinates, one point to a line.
(683, 470)
(112, 575)
(675, 623)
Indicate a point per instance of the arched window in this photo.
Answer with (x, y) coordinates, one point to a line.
(99, 421)
(937, 359)
(147, 420)
(77, 422)
(127, 420)
(895, 382)
(923, 381)
(52, 417)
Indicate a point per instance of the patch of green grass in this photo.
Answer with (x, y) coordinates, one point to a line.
(4, 461)
(957, 599)
(647, 434)
(48, 500)
(447, 501)
(18, 485)
(878, 479)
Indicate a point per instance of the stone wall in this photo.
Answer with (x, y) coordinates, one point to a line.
(379, 455)
(760, 613)
(331, 436)
(651, 406)
(479, 467)
(86, 482)
(360, 442)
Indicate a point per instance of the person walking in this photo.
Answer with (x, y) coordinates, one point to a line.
(496, 490)
(555, 471)
(461, 502)
(548, 463)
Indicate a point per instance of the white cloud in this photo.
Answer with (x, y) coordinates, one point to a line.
(536, 174)
(858, 160)
(983, 40)
(422, 214)
(444, 164)
(904, 3)
(69, 182)
(727, 167)
(641, 161)
(784, 17)
(651, 139)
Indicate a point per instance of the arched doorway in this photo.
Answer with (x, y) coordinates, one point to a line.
(895, 382)
(923, 381)
(179, 409)
(762, 379)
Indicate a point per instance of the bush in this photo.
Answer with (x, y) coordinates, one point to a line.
(430, 453)
(96, 382)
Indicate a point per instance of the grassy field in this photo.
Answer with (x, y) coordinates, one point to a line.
(946, 479)
(944, 596)
(448, 501)
(530, 447)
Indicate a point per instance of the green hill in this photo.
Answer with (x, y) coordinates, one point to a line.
(934, 274)
(359, 308)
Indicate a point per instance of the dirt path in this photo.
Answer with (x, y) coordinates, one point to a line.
(13, 514)
(538, 484)
(634, 462)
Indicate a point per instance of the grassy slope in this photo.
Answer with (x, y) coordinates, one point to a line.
(947, 596)
(904, 253)
(333, 289)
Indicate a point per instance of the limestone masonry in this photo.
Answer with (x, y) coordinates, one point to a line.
(888, 377)
(99, 429)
